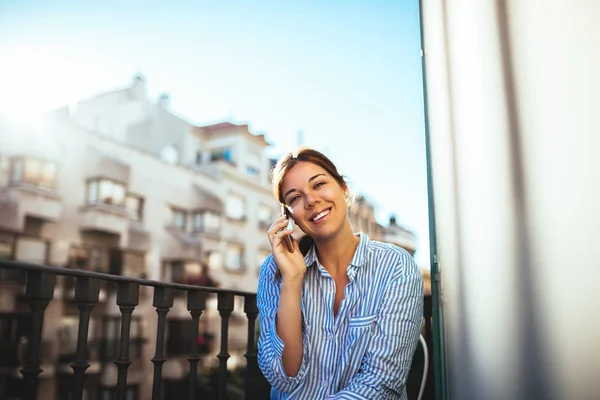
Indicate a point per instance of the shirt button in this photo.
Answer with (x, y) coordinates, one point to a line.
(330, 336)
(324, 383)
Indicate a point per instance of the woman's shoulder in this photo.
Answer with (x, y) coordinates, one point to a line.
(267, 269)
(393, 256)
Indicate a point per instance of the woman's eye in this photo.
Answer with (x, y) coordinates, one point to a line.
(319, 184)
(293, 200)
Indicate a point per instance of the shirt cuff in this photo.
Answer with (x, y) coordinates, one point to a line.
(278, 346)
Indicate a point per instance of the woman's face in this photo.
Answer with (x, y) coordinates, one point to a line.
(315, 199)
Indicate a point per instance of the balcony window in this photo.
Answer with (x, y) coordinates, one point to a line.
(127, 263)
(207, 221)
(252, 171)
(105, 191)
(235, 207)
(189, 272)
(180, 337)
(33, 171)
(213, 259)
(221, 155)
(234, 259)
(6, 245)
(109, 343)
(134, 206)
(178, 218)
(253, 162)
(265, 216)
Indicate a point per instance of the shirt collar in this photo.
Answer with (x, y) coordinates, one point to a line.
(362, 251)
(358, 260)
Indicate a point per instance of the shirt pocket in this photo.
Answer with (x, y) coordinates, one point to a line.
(360, 331)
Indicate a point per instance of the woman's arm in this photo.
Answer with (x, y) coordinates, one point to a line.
(385, 367)
(289, 325)
(281, 337)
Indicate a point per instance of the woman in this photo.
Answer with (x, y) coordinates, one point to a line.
(340, 315)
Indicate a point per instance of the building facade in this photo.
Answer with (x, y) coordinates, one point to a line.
(121, 185)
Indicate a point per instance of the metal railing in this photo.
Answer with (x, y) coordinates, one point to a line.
(39, 292)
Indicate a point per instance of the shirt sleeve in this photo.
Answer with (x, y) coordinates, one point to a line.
(270, 345)
(386, 364)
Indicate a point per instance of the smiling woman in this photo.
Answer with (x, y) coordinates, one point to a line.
(340, 315)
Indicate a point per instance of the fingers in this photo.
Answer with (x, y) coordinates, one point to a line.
(277, 226)
(277, 231)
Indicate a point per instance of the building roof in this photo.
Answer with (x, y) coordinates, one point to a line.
(227, 127)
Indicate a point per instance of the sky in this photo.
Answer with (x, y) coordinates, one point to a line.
(347, 74)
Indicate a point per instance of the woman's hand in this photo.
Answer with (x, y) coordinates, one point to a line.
(290, 264)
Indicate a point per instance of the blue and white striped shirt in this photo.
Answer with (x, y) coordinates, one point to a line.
(366, 350)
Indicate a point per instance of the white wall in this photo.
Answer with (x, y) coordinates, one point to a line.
(512, 93)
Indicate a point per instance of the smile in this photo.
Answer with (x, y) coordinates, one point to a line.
(321, 215)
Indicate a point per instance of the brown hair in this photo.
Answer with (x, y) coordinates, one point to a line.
(288, 161)
(285, 164)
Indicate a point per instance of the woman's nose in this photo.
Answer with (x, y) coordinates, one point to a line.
(310, 201)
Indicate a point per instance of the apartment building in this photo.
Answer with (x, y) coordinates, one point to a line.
(122, 185)
(362, 217)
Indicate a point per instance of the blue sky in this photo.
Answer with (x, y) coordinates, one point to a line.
(345, 73)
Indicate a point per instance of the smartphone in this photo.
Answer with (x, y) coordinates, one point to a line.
(287, 240)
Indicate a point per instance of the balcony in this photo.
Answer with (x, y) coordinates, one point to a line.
(124, 346)
(39, 293)
(27, 200)
(105, 218)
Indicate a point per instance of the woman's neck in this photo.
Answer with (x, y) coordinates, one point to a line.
(336, 253)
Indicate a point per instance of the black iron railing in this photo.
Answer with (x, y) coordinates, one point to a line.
(39, 292)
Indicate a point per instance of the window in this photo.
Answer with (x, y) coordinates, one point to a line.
(198, 158)
(106, 191)
(262, 256)
(176, 271)
(235, 207)
(234, 257)
(6, 246)
(253, 164)
(265, 217)
(134, 206)
(221, 155)
(182, 271)
(206, 221)
(133, 264)
(178, 218)
(34, 171)
(31, 249)
(109, 346)
(251, 170)
(180, 337)
(214, 259)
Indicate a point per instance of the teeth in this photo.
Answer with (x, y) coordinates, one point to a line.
(320, 215)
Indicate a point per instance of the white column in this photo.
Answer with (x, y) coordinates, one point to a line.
(514, 124)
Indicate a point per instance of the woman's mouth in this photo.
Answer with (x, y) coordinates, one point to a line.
(320, 217)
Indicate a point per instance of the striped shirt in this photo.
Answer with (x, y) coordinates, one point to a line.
(366, 350)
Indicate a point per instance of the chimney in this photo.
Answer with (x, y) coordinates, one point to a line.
(164, 101)
(392, 220)
(138, 88)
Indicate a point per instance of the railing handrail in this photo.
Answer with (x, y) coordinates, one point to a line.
(23, 265)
